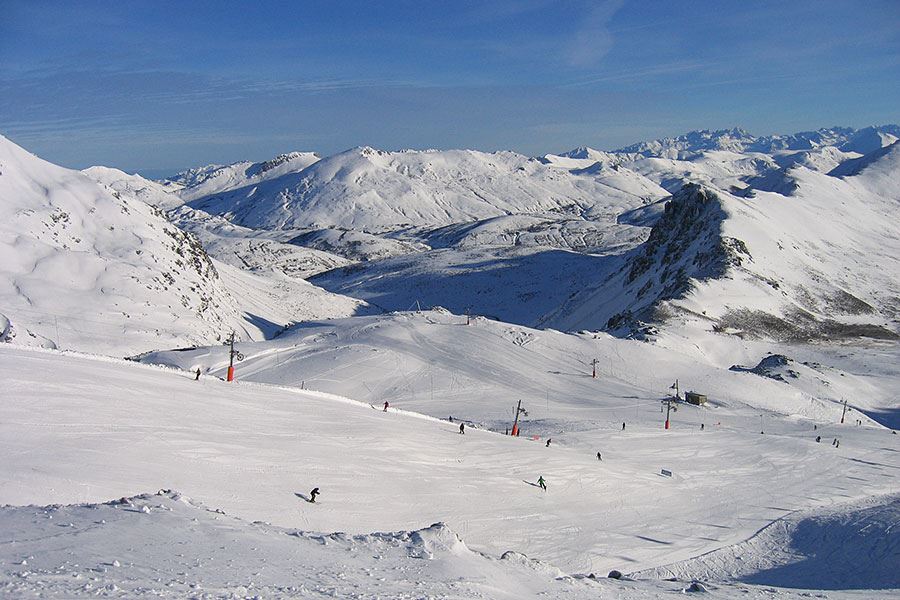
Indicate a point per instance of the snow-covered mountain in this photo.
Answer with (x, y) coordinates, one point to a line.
(376, 191)
(512, 237)
(92, 267)
(576, 240)
(820, 260)
(738, 140)
(724, 259)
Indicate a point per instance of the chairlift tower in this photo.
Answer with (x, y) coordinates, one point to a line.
(232, 354)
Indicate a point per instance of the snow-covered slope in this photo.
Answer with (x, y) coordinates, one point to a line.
(254, 451)
(818, 550)
(85, 267)
(433, 363)
(91, 267)
(125, 547)
(255, 250)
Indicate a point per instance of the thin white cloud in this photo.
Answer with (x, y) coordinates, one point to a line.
(636, 74)
(593, 40)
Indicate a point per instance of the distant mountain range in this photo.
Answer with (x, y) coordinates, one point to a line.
(783, 236)
(738, 140)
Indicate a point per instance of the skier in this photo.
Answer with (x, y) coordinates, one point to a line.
(838, 444)
(599, 457)
(462, 429)
(702, 426)
(542, 483)
(818, 439)
(197, 378)
(386, 405)
(548, 442)
(623, 425)
(313, 494)
(834, 442)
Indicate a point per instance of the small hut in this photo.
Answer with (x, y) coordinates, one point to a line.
(695, 398)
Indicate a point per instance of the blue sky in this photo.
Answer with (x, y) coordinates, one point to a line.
(159, 86)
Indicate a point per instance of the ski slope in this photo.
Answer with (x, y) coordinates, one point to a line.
(78, 429)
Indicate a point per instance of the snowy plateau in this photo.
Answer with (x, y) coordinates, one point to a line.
(393, 311)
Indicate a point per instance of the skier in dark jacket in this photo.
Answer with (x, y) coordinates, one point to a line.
(313, 494)
(548, 442)
(386, 405)
(197, 378)
(599, 457)
(462, 428)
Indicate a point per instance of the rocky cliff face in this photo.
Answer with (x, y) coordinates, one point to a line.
(686, 245)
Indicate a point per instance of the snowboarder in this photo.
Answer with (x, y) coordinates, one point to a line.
(313, 494)
(599, 457)
(548, 442)
(623, 425)
(818, 439)
(462, 429)
(542, 483)
(386, 406)
(197, 378)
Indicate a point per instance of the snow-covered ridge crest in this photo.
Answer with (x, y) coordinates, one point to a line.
(202, 181)
(377, 191)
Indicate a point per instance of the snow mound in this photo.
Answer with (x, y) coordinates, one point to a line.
(848, 548)
(436, 539)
